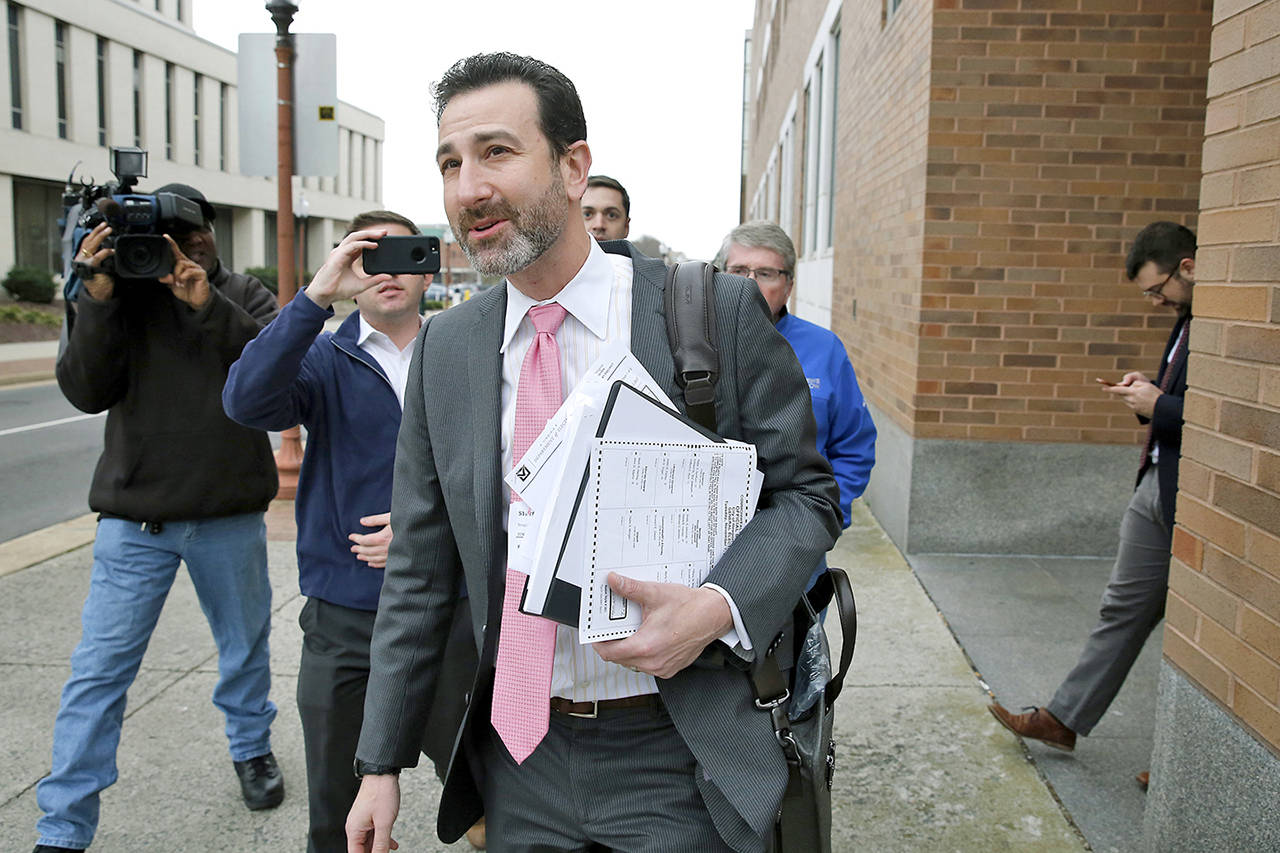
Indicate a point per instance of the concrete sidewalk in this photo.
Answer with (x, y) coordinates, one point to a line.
(921, 765)
(27, 362)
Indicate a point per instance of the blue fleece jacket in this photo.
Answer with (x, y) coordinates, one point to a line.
(846, 433)
(293, 372)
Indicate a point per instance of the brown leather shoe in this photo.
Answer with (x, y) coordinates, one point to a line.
(475, 835)
(1037, 724)
(1144, 779)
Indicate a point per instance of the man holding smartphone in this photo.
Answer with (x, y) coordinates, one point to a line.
(347, 388)
(1162, 263)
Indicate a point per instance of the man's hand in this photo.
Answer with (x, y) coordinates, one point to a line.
(1137, 392)
(99, 286)
(342, 275)
(188, 281)
(372, 547)
(373, 814)
(678, 623)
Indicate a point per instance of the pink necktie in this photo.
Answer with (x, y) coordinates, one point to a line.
(526, 644)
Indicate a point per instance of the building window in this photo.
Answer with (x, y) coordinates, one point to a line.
(195, 116)
(351, 166)
(829, 160)
(137, 99)
(60, 74)
(168, 110)
(222, 126)
(102, 91)
(179, 9)
(15, 65)
(787, 165)
(890, 7)
(817, 214)
(36, 208)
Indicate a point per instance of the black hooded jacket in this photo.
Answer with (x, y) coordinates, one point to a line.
(157, 367)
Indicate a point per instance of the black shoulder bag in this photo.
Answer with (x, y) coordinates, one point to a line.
(793, 681)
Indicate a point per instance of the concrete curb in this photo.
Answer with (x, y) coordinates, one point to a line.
(28, 370)
(26, 551)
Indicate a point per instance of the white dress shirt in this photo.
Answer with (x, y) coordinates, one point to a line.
(598, 305)
(393, 360)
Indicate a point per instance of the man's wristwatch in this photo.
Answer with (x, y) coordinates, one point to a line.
(364, 768)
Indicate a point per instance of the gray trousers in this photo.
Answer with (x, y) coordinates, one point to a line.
(1132, 606)
(623, 782)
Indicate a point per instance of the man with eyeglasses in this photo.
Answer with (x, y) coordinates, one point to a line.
(1162, 263)
(762, 251)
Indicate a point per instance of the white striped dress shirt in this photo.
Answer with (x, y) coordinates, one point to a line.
(598, 302)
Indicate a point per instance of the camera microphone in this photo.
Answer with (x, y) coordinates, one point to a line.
(109, 208)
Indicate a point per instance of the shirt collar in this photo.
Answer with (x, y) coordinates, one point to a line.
(586, 297)
(367, 331)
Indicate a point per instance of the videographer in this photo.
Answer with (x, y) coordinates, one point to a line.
(177, 481)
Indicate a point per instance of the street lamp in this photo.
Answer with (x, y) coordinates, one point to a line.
(289, 456)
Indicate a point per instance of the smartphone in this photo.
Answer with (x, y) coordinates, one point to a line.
(397, 255)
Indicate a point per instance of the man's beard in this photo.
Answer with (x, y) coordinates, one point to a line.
(534, 230)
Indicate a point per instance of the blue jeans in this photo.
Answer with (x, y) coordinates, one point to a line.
(133, 570)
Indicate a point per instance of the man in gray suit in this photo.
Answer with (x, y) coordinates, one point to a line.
(650, 743)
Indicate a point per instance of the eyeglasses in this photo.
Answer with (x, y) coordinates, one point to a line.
(1156, 291)
(764, 275)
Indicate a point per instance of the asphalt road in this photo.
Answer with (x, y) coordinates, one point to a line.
(47, 452)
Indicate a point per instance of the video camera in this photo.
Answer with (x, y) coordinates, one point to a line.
(138, 222)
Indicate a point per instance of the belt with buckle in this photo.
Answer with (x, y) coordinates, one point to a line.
(591, 710)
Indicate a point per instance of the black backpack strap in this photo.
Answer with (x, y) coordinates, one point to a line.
(689, 302)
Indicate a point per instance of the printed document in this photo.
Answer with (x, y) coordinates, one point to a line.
(660, 511)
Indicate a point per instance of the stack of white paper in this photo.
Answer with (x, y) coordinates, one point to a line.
(620, 481)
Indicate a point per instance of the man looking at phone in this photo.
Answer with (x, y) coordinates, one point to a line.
(1162, 264)
(347, 387)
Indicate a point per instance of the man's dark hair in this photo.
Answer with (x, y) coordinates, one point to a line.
(380, 217)
(612, 183)
(1166, 243)
(559, 108)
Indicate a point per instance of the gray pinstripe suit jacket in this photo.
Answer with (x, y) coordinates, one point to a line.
(447, 513)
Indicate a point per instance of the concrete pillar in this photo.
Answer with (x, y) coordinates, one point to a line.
(210, 92)
(8, 236)
(39, 95)
(183, 109)
(250, 238)
(82, 86)
(153, 107)
(119, 94)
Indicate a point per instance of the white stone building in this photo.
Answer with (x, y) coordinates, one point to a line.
(83, 75)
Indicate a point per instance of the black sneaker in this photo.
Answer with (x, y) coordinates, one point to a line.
(261, 782)
(49, 848)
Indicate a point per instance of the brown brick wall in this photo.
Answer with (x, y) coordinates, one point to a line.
(1057, 129)
(881, 121)
(1223, 626)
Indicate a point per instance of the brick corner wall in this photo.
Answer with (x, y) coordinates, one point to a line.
(1223, 620)
(1057, 130)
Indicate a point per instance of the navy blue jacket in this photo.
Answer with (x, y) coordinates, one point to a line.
(293, 372)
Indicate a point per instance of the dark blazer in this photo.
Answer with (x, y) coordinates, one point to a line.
(447, 511)
(1167, 420)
